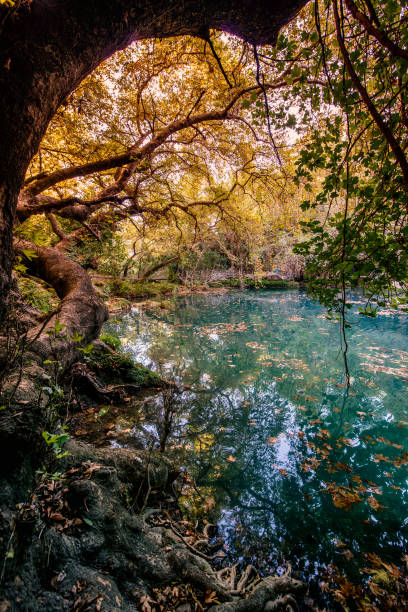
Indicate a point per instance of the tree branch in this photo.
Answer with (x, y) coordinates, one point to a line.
(132, 158)
(376, 31)
(382, 126)
(56, 228)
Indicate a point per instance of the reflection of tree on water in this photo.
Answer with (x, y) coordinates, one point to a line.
(270, 434)
(281, 520)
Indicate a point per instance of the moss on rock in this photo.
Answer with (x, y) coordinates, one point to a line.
(112, 367)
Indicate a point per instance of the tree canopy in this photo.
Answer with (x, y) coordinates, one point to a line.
(48, 48)
(161, 137)
(201, 134)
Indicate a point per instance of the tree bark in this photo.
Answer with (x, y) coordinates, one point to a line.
(156, 267)
(81, 312)
(47, 47)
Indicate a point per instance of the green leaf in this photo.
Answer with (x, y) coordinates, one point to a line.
(29, 253)
(103, 411)
(86, 350)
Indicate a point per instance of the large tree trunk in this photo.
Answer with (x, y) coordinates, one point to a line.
(81, 312)
(47, 48)
(9, 190)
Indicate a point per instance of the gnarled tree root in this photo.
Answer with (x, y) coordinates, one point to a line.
(81, 312)
(271, 589)
(197, 571)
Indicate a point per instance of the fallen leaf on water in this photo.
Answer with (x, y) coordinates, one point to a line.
(348, 554)
(56, 516)
(374, 503)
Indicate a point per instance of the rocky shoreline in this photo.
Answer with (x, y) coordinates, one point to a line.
(85, 528)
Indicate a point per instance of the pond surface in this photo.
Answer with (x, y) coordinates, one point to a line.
(292, 466)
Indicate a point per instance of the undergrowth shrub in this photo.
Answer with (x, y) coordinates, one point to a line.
(111, 340)
(134, 289)
(252, 283)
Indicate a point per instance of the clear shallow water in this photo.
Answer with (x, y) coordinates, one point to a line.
(292, 467)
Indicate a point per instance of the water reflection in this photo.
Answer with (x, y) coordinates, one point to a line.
(293, 466)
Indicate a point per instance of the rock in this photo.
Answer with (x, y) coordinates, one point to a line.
(185, 607)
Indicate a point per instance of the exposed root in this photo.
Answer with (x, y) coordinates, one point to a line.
(85, 381)
(249, 574)
(209, 531)
(269, 591)
(183, 539)
(249, 593)
(188, 568)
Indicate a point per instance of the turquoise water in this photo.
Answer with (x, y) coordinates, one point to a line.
(292, 466)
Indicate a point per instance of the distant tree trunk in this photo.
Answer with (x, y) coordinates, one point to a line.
(156, 267)
(127, 266)
(130, 260)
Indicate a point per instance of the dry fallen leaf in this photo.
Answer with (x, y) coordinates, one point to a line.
(210, 597)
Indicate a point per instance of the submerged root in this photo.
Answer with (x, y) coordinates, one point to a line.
(85, 381)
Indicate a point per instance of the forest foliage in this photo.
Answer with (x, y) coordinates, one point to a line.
(226, 155)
